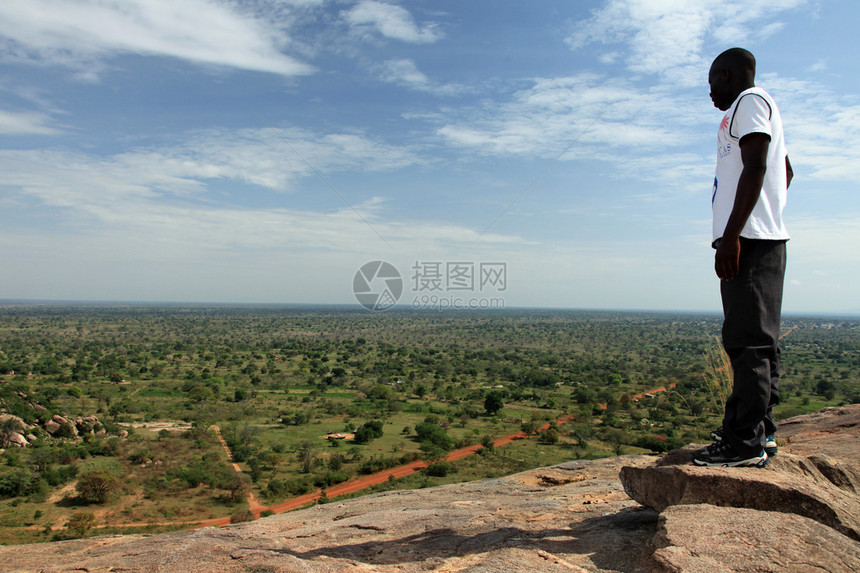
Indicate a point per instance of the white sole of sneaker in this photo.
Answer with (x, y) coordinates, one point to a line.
(757, 461)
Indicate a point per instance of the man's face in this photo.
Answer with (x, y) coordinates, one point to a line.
(721, 95)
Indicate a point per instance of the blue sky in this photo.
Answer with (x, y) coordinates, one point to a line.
(263, 151)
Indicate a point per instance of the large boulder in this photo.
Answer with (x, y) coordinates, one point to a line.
(18, 439)
(66, 426)
(800, 513)
(52, 427)
(87, 424)
(16, 421)
(752, 488)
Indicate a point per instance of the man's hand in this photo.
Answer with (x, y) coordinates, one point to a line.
(727, 259)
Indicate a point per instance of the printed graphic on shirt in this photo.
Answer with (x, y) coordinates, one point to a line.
(724, 142)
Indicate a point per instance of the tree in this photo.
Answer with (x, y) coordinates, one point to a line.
(488, 442)
(433, 437)
(528, 428)
(81, 522)
(617, 438)
(583, 434)
(200, 393)
(368, 431)
(306, 454)
(237, 485)
(493, 403)
(96, 486)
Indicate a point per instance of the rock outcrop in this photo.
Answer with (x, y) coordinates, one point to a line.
(57, 426)
(798, 514)
(801, 512)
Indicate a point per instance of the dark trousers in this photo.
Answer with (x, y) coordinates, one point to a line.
(752, 304)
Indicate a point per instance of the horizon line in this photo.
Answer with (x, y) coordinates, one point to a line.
(4, 302)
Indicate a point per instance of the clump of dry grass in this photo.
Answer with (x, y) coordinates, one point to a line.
(719, 376)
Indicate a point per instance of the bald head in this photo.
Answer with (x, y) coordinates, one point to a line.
(738, 60)
(732, 72)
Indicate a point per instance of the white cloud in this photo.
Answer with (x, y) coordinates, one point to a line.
(25, 123)
(83, 32)
(822, 128)
(667, 37)
(391, 21)
(587, 116)
(269, 158)
(819, 66)
(405, 73)
(145, 224)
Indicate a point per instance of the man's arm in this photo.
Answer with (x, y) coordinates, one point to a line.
(754, 156)
(789, 172)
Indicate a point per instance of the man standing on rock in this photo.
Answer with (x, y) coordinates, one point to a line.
(750, 189)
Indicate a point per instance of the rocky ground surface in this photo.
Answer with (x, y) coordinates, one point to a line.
(630, 513)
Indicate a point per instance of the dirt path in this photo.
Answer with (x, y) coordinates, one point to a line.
(218, 435)
(254, 504)
(790, 330)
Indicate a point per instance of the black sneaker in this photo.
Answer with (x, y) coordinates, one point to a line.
(722, 454)
(770, 446)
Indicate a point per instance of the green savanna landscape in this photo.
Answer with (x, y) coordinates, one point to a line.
(306, 398)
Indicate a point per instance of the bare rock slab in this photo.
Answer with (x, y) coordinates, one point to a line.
(705, 538)
(569, 517)
(751, 488)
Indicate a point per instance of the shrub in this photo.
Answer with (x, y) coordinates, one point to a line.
(549, 436)
(60, 475)
(435, 435)
(276, 488)
(241, 515)
(439, 469)
(19, 481)
(330, 478)
(140, 456)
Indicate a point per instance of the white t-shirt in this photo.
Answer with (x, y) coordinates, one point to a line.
(754, 111)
